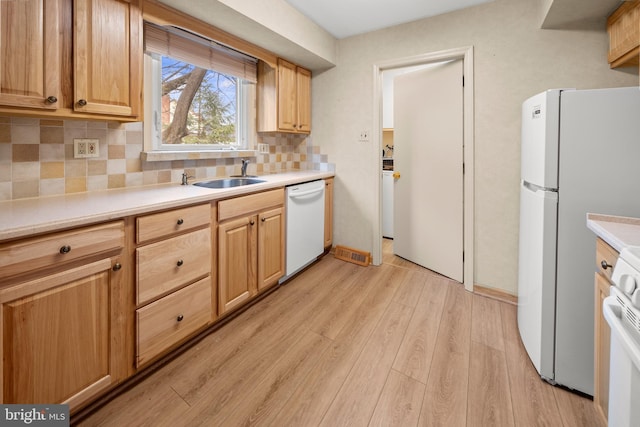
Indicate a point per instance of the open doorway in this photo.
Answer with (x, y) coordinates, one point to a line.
(382, 129)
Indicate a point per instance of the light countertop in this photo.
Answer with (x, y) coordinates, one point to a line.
(25, 217)
(617, 231)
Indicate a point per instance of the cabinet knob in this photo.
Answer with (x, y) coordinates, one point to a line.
(179, 263)
(51, 99)
(65, 249)
(117, 266)
(252, 222)
(604, 264)
(82, 102)
(180, 318)
(263, 219)
(180, 221)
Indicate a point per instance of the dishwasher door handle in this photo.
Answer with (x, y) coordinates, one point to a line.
(306, 193)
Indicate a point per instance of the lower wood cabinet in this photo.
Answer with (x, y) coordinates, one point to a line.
(82, 309)
(174, 286)
(606, 258)
(250, 246)
(328, 212)
(60, 328)
(270, 247)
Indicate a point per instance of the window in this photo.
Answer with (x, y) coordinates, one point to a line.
(198, 95)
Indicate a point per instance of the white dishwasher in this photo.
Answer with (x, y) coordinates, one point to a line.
(305, 225)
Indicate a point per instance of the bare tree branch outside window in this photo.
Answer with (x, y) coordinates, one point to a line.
(198, 105)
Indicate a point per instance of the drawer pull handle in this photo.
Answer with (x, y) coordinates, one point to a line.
(65, 249)
(180, 221)
(179, 318)
(604, 264)
(179, 263)
(117, 266)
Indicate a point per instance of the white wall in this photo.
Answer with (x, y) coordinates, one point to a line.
(514, 59)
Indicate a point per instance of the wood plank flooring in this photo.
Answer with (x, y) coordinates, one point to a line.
(344, 345)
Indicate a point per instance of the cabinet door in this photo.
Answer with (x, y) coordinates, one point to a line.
(237, 262)
(55, 337)
(303, 88)
(30, 53)
(623, 26)
(328, 212)
(270, 248)
(602, 347)
(287, 96)
(107, 57)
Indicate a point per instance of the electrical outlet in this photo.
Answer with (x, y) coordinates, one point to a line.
(364, 136)
(263, 148)
(86, 147)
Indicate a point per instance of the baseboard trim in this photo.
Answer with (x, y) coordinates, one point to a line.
(495, 294)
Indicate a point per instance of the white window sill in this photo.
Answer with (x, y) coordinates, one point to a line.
(162, 156)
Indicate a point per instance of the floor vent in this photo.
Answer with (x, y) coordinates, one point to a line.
(353, 255)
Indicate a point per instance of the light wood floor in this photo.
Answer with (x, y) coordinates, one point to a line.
(343, 345)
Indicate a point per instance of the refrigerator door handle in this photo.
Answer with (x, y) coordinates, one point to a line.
(533, 187)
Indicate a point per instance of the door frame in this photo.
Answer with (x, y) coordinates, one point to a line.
(466, 54)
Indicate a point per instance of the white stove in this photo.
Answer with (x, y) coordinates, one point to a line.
(626, 274)
(621, 309)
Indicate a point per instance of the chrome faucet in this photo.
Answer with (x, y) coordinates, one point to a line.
(243, 169)
(185, 178)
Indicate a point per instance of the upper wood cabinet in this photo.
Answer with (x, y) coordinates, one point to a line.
(107, 57)
(30, 54)
(78, 59)
(284, 98)
(623, 27)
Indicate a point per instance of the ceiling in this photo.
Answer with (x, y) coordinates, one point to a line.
(344, 18)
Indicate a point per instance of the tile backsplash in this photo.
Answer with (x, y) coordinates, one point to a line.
(36, 158)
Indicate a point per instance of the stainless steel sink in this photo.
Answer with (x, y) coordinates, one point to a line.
(228, 182)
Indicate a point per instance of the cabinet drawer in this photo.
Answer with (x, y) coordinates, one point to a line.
(251, 203)
(171, 263)
(172, 318)
(165, 224)
(605, 254)
(53, 249)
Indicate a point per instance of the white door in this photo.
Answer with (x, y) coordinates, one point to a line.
(428, 155)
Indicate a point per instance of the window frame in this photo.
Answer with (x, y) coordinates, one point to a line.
(246, 133)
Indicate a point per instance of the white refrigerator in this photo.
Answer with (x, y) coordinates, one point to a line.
(580, 153)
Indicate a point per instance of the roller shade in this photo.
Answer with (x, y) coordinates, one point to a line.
(199, 51)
